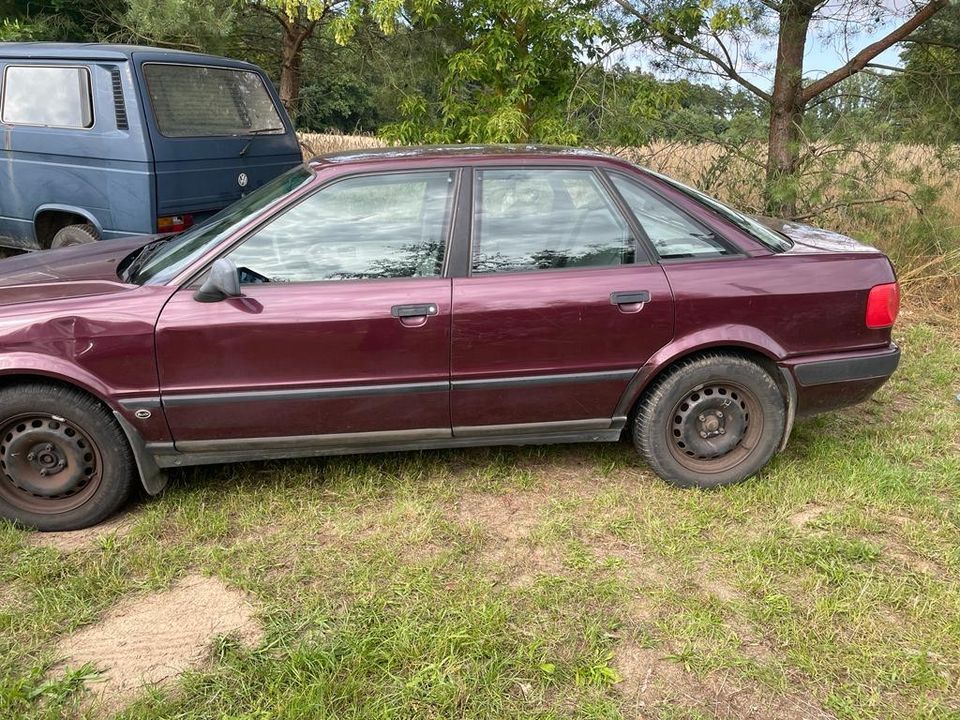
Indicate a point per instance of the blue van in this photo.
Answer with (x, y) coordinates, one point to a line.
(102, 141)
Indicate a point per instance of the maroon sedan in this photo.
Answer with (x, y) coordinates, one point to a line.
(431, 298)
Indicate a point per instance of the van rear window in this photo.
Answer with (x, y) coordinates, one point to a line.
(200, 101)
(47, 96)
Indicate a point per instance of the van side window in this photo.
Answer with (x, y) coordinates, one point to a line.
(47, 96)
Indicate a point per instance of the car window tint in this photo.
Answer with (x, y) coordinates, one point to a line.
(198, 101)
(377, 226)
(544, 219)
(673, 234)
(52, 96)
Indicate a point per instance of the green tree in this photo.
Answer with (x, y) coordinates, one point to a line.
(510, 78)
(715, 37)
(924, 97)
(298, 21)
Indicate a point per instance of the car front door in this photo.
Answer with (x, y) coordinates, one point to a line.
(559, 310)
(342, 335)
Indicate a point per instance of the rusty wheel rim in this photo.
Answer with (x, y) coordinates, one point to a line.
(715, 427)
(48, 464)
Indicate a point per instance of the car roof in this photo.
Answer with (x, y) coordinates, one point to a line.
(98, 51)
(459, 153)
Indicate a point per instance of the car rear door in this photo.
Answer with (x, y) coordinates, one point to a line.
(217, 131)
(342, 335)
(560, 308)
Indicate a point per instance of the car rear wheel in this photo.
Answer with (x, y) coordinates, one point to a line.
(710, 421)
(64, 462)
(74, 235)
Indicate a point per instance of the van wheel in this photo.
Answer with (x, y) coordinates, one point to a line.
(74, 235)
(710, 421)
(64, 462)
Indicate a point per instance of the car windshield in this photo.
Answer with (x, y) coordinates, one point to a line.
(772, 240)
(171, 256)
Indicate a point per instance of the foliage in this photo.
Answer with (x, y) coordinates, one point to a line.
(512, 76)
(181, 23)
(338, 101)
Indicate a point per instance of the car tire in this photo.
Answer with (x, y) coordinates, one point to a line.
(709, 421)
(65, 464)
(74, 235)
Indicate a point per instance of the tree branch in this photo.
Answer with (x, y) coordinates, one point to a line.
(727, 67)
(859, 61)
(898, 196)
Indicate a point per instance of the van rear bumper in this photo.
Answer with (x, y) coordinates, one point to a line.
(828, 382)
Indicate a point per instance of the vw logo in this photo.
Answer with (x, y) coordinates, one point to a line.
(242, 179)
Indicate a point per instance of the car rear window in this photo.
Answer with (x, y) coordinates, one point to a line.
(202, 101)
(47, 96)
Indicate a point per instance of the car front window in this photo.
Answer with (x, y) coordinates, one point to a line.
(168, 259)
(368, 227)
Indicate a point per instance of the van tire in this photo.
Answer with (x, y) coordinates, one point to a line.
(74, 235)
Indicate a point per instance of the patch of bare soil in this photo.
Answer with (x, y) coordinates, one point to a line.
(11, 595)
(804, 517)
(73, 540)
(150, 640)
(509, 517)
(893, 549)
(507, 523)
(651, 682)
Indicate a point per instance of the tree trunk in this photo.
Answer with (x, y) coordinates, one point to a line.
(290, 67)
(786, 109)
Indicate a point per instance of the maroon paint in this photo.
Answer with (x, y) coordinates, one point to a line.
(310, 335)
(64, 314)
(552, 322)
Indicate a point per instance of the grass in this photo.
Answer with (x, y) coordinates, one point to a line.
(547, 582)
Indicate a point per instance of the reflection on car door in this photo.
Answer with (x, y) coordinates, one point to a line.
(343, 329)
(560, 310)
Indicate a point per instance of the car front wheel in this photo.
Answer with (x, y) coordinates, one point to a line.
(64, 462)
(710, 421)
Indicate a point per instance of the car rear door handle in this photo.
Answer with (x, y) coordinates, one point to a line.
(630, 301)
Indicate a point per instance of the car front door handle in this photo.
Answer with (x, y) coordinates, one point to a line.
(630, 301)
(414, 315)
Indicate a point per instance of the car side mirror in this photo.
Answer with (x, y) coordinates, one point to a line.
(223, 281)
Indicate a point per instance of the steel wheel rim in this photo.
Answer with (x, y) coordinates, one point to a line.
(48, 465)
(715, 427)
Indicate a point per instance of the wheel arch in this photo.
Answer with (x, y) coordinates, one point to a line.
(758, 347)
(51, 217)
(152, 478)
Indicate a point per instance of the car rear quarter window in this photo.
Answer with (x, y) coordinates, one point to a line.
(391, 225)
(48, 96)
(202, 101)
(674, 235)
(546, 219)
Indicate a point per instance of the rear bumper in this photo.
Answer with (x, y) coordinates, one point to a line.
(828, 382)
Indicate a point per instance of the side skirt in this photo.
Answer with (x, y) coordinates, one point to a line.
(205, 452)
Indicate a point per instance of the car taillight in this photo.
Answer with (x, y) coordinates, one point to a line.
(174, 223)
(883, 304)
